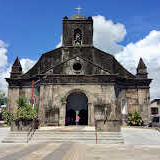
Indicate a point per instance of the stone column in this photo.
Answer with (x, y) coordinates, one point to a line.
(42, 102)
(113, 99)
(91, 114)
(13, 96)
(62, 114)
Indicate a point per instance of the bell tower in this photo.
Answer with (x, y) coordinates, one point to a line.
(77, 31)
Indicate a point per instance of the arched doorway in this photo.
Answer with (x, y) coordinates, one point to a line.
(77, 103)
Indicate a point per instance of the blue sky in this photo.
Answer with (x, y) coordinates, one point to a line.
(32, 27)
(128, 29)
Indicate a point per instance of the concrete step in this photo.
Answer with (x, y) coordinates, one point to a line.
(70, 132)
(16, 137)
(75, 138)
(52, 137)
(81, 141)
(13, 141)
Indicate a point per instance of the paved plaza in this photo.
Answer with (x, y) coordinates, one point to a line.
(140, 144)
(3, 133)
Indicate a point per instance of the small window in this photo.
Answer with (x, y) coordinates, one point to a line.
(156, 119)
(124, 107)
(77, 66)
(154, 110)
(77, 37)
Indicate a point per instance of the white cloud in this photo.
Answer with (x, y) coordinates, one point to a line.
(149, 49)
(107, 34)
(3, 44)
(27, 64)
(60, 43)
(3, 84)
(3, 57)
(5, 72)
(5, 68)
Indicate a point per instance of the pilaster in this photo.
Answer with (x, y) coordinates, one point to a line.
(42, 100)
(91, 119)
(62, 114)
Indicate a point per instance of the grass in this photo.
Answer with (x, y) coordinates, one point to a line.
(4, 125)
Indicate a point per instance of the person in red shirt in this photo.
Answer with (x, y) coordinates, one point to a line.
(77, 119)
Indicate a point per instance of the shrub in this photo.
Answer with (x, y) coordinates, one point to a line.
(22, 102)
(25, 111)
(7, 116)
(134, 119)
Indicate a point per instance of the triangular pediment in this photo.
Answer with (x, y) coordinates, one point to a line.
(77, 65)
(95, 61)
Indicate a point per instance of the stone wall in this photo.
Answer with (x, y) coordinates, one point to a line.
(101, 96)
(13, 95)
(56, 96)
(132, 100)
(26, 92)
(137, 100)
(144, 103)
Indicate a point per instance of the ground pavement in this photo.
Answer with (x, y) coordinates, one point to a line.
(3, 132)
(140, 144)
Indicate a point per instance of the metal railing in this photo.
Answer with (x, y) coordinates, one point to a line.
(30, 134)
(96, 131)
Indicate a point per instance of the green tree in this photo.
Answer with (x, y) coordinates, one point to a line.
(3, 99)
(2, 94)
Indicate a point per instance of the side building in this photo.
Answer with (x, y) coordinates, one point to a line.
(155, 106)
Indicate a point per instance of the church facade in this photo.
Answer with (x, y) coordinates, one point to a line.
(78, 78)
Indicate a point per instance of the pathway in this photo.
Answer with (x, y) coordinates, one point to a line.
(140, 144)
(3, 132)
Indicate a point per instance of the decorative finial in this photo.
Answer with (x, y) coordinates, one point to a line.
(78, 8)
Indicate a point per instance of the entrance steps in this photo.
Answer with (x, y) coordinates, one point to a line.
(16, 137)
(53, 136)
(78, 137)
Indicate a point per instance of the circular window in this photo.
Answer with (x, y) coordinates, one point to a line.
(77, 66)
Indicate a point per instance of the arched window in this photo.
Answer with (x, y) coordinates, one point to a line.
(124, 107)
(77, 36)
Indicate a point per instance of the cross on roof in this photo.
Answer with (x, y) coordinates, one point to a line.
(78, 8)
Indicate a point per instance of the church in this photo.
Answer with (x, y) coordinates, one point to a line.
(79, 79)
